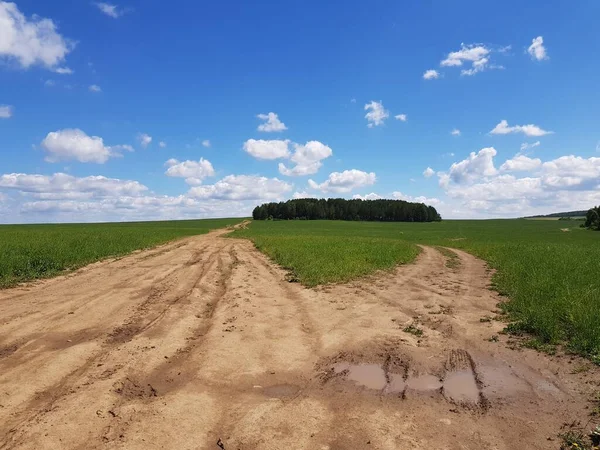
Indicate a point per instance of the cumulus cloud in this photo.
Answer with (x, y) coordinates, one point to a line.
(110, 10)
(62, 185)
(243, 187)
(346, 181)
(537, 50)
(371, 196)
(431, 201)
(477, 55)
(455, 132)
(206, 143)
(272, 123)
(162, 144)
(568, 182)
(401, 117)
(431, 74)
(521, 163)
(428, 173)
(480, 164)
(95, 88)
(272, 149)
(308, 159)
(6, 111)
(194, 172)
(66, 198)
(527, 130)
(303, 194)
(33, 41)
(376, 114)
(144, 139)
(74, 144)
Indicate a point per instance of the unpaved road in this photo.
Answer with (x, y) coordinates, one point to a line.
(201, 344)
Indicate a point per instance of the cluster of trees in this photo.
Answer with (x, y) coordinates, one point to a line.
(342, 209)
(592, 219)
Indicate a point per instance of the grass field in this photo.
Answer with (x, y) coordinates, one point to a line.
(551, 276)
(36, 251)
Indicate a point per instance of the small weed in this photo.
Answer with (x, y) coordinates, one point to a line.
(414, 330)
(485, 319)
(583, 368)
(540, 346)
(572, 440)
(452, 259)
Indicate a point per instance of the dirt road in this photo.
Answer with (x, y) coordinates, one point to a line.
(202, 344)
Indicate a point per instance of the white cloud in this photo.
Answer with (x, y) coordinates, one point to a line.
(431, 74)
(455, 132)
(521, 163)
(478, 55)
(110, 10)
(206, 143)
(243, 187)
(302, 194)
(431, 201)
(6, 111)
(528, 130)
(352, 100)
(49, 83)
(144, 139)
(63, 71)
(477, 165)
(162, 144)
(345, 181)
(61, 185)
(194, 172)
(32, 41)
(371, 196)
(261, 149)
(307, 158)
(95, 88)
(528, 146)
(537, 50)
(376, 115)
(65, 198)
(568, 182)
(428, 173)
(74, 144)
(401, 117)
(272, 123)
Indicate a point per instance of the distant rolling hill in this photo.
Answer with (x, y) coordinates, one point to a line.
(560, 214)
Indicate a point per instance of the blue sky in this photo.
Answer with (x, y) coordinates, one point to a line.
(247, 102)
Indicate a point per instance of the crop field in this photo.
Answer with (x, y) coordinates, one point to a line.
(35, 251)
(132, 352)
(548, 269)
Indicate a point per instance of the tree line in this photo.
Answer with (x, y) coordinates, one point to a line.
(342, 209)
(592, 219)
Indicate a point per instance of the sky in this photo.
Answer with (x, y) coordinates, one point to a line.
(144, 110)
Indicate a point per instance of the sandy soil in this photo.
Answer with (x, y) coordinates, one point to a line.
(202, 344)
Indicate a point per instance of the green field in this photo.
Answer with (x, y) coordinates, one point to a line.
(36, 251)
(550, 276)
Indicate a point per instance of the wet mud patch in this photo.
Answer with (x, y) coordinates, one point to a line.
(390, 373)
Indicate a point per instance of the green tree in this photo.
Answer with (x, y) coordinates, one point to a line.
(592, 219)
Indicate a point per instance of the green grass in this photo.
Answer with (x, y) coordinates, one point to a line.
(37, 251)
(550, 276)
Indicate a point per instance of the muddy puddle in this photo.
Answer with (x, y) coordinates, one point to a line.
(456, 386)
